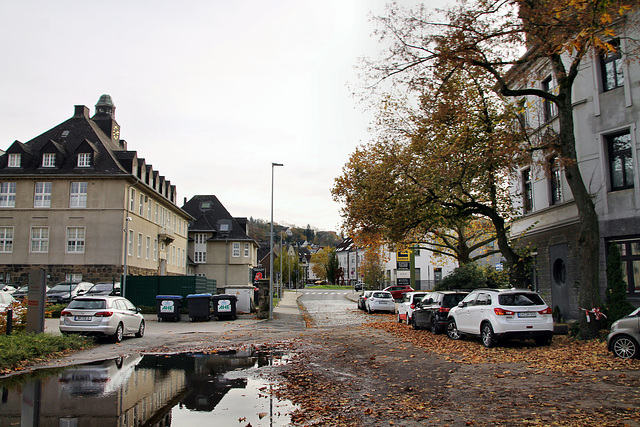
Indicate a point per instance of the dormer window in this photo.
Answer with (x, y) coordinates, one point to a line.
(14, 160)
(84, 160)
(48, 160)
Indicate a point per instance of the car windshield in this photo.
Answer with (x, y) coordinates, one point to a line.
(520, 299)
(381, 295)
(87, 304)
(451, 300)
(101, 287)
(64, 287)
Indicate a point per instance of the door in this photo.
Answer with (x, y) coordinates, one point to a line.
(560, 296)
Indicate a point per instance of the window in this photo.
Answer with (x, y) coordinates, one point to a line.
(6, 239)
(173, 255)
(620, 160)
(156, 213)
(155, 249)
(48, 160)
(246, 250)
(200, 238)
(527, 191)
(130, 243)
(141, 205)
(630, 254)
(42, 198)
(149, 209)
(550, 109)
(75, 240)
(7, 194)
(14, 160)
(200, 257)
(78, 195)
(84, 160)
(148, 247)
(236, 249)
(612, 75)
(73, 277)
(39, 239)
(132, 200)
(555, 181)
(139, 252)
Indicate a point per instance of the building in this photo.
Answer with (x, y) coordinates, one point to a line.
(606, 109)
(219, 247)
(74, 199)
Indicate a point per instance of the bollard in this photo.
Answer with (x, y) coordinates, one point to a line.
(9, 321)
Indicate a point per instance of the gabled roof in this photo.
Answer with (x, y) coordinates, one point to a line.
(345, 245)
(210, 216)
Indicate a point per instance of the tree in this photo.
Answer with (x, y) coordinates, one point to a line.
(372, 268)
(291, 271)
(438, 168)
(325, 265)
(472, 276)
(332, 268)
(461, 240)
(489, 36)
(617, 304)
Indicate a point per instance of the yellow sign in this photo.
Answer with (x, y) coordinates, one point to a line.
(403, 255)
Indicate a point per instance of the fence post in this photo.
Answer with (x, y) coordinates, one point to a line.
(9, 321)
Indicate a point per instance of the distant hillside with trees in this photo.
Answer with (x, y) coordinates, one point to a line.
(258, 229)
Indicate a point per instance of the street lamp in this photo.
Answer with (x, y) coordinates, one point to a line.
(271, 247)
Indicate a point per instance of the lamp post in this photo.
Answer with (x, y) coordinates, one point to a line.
(273, 165)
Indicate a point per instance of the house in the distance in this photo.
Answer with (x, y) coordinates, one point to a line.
(219, 247)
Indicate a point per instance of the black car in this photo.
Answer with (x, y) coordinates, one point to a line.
(104, 288)
(431, 313)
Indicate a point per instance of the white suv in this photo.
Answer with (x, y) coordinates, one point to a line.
(493, 314)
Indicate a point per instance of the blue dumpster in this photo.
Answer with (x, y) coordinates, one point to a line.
(169, 307)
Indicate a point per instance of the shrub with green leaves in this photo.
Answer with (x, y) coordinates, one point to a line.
(616, 294)
(472, 276)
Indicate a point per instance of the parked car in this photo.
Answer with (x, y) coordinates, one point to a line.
(102, 316)
(66, 291)
(362, 298)
(432, 312)
(23, 291)
(5, 300)
(408, 305)
(380, 301)
(10, 289)
(104, 288)
(398, 291)
(625, 335)
(494, 314)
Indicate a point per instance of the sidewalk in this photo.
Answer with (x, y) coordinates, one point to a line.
(287, 312)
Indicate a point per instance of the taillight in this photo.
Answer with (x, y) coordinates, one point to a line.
(546, 311)
(444, 309)
(65, 313)
(502, 312)
(413, 306)
(104, 314)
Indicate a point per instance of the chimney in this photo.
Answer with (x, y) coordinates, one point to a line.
(80, 112)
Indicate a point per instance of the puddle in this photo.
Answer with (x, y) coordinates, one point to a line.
(226, 388)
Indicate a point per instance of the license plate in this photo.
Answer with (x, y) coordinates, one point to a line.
(527, 314)
(81, 318)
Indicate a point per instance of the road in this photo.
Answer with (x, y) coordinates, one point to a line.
(330, 308)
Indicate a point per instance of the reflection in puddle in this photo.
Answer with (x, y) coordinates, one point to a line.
(169, 390)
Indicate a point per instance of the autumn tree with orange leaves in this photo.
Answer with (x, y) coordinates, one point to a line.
(506, 40)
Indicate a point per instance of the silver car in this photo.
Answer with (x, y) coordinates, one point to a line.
(102, 316)
(625, 335)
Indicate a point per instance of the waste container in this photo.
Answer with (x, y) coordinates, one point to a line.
(169, 307)
(224, 306)
(199, 307)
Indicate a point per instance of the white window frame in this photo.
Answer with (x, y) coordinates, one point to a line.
(130, 243)
(39, 237)
(73, 277)
(132, 200)
(246, 250)
(84, 160)
(76, 237)
(236, 250)
(78, 195)
(48, 160)
(6, 239)
(141, 205)
(7, 194)
(139, 252)
(155, 249)
(200, 257)
(149, 209)
(42, 195)
(14, 160)
(156, 212)
(148, 248)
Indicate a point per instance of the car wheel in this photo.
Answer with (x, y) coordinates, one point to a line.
(414, 325)
(408, 320)
(487, 335)
(545, 340)
(140, 332)
(117, 337)
(434, 326)
(399, 319)
(452, 330)
(624, 347)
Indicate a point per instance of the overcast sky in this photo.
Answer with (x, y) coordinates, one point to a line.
(209, 92)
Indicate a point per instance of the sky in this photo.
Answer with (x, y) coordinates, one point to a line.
(210, 92)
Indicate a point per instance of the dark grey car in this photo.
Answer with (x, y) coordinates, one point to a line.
(431, 313)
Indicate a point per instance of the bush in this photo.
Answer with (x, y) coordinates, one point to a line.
(472, 276)
(18, 349)
(617, 304)
(19, 318)
(53, 311)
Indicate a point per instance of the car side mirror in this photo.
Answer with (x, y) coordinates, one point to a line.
(81, 292)
(462, 304)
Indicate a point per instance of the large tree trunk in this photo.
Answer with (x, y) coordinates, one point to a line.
(588, 250)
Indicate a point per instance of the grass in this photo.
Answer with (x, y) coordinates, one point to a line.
(22, 348)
